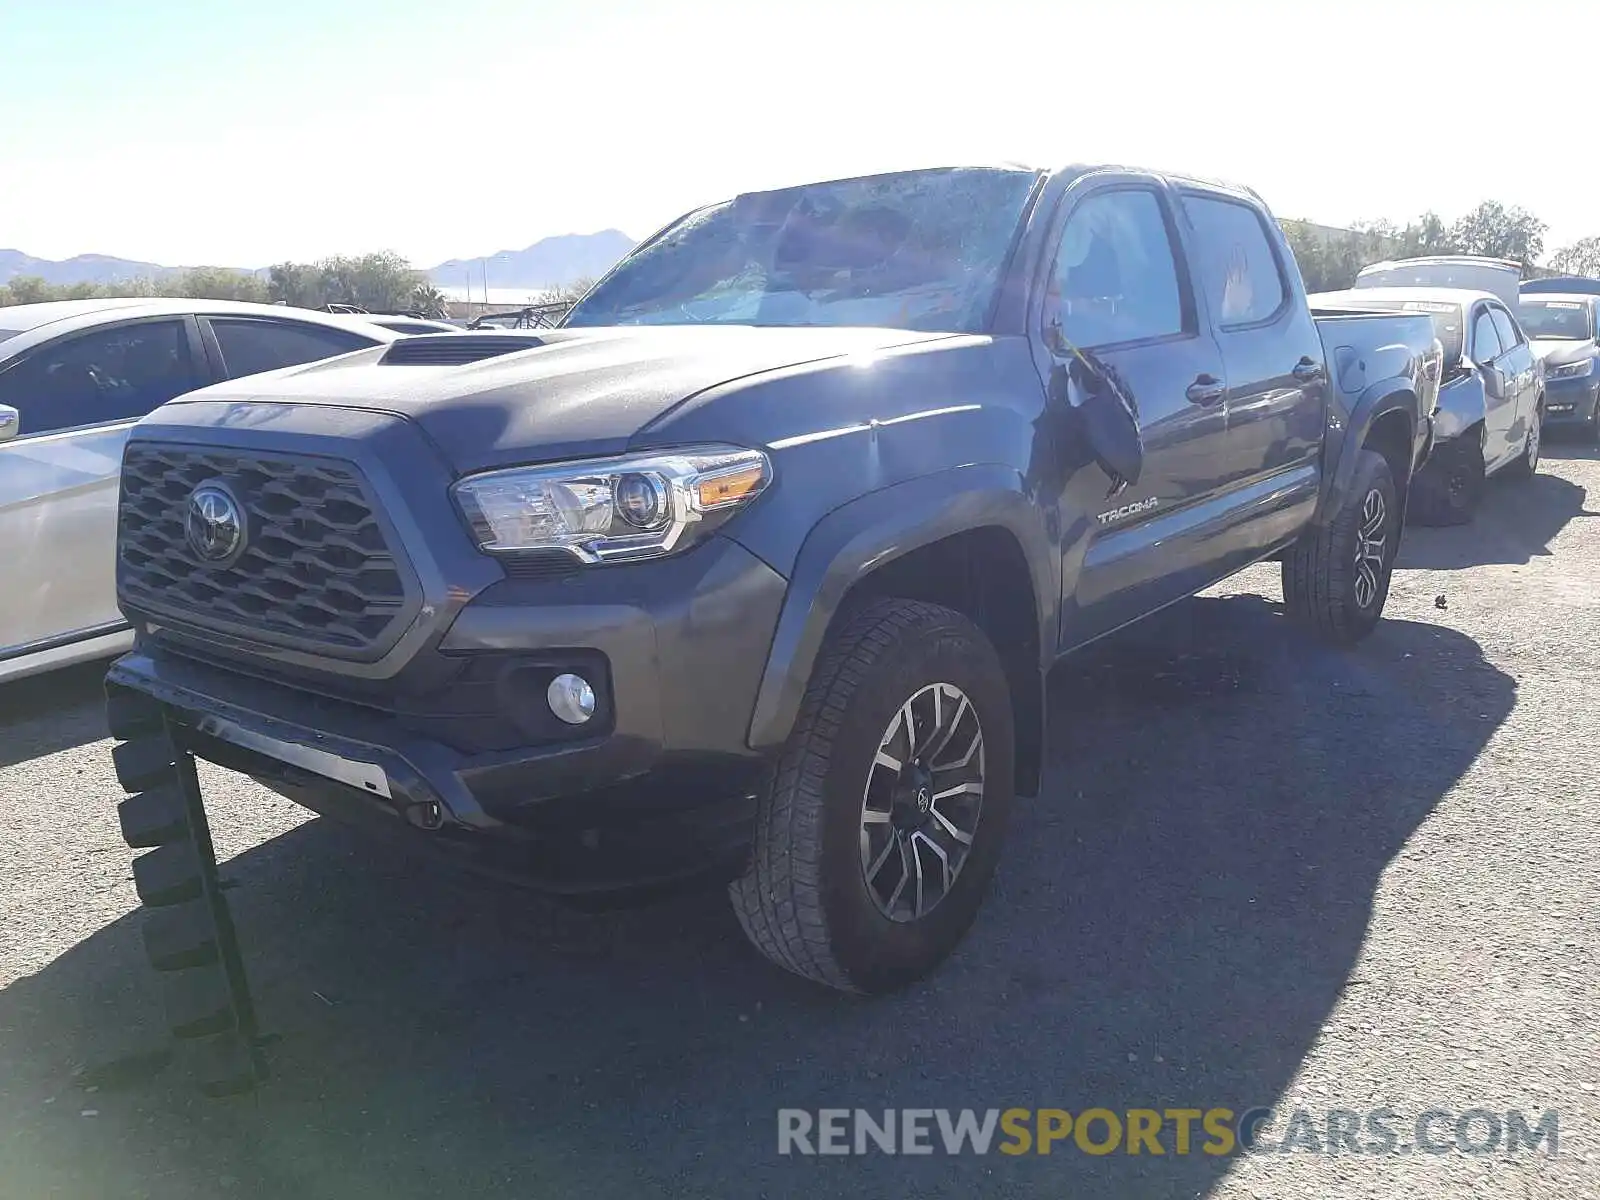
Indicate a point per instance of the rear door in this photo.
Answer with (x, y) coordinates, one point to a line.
(1119, 288)
(1520, 366)
(78, 397)
(249, 345)
(1272, 355)
(1498, 391)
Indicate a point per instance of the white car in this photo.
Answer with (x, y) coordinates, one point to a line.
(74, 377)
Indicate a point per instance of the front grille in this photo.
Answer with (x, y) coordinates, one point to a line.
(317, 568)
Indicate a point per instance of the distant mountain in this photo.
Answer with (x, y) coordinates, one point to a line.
(549, 262)
(83, 268)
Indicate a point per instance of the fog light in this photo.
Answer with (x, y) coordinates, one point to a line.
(571, 698)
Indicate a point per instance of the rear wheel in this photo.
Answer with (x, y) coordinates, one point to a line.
(1336, 577)
(1448, 489)
(881, 826)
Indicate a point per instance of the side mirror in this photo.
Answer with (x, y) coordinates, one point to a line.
(1493, 381)
(10, 422)
(1106, 415)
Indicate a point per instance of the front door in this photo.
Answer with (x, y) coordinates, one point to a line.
(78, 397)
(1520, 367)
(1499, 388)
(1117, 291)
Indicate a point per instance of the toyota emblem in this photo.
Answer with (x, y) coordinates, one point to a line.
(214, 524)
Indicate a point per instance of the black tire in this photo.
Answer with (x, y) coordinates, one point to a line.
(1449, 488)
(1592, 429)
(1324, 586)
(1526, 464)
(804, 899)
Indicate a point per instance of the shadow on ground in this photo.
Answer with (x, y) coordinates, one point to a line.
(1569, 445)
(1516, 523)
(46, 714)
(1174, 920)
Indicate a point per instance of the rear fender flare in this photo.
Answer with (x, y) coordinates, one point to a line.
(1382, 398)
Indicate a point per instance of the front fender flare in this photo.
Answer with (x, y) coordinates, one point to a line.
(853, 541)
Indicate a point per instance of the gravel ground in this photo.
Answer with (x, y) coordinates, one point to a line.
(1262, 874)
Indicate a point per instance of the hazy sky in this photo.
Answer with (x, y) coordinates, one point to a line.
(214, 131)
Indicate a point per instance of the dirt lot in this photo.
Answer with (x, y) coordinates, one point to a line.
(1262, 874)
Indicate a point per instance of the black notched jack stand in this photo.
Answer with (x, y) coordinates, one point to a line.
(188, 930)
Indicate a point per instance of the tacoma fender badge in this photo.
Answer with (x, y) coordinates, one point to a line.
(1128, 510)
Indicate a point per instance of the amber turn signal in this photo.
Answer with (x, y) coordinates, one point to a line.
(729, 487)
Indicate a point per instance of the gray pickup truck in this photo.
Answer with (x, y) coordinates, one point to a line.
(758, 563)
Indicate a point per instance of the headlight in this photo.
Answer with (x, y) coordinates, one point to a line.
(1575, 370)
(612, 509)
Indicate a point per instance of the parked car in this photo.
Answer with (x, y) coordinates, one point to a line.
(1566, 285)
(1490, 400)
(1563, 329)
(409, 325)
(1500, 277)
(757, 563)
(74, 377)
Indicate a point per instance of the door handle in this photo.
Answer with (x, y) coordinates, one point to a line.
(1307, 369)
(1206, 390)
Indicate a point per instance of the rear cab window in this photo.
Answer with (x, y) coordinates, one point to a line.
(1239, 269)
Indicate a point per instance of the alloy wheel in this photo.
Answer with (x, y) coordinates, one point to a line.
(1372, 539)
(922, 802)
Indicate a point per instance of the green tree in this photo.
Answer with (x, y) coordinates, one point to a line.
(376, 282)
(1496, 231)
(29, 289)
(428, 301)
(293, 283)
(1580, 258)
(215, 283)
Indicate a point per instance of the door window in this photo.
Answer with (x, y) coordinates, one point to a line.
(1485, 341)
(249, 347)
(1237, 266)
(1115, 278)
(1510, 335)
(118, 373)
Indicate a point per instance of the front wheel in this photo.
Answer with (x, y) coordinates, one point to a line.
(881, 825)
(1527, 463)
(1336, 577)
(1450, 486)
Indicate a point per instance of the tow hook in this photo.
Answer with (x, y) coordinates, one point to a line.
(428, 814)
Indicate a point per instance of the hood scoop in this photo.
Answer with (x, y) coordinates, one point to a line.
(454, 349)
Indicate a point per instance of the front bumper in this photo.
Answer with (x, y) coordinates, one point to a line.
(1570, 401)
(660, 790)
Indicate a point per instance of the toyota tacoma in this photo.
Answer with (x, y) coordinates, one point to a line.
(757, 564)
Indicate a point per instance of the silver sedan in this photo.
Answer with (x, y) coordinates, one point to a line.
(74, 377)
